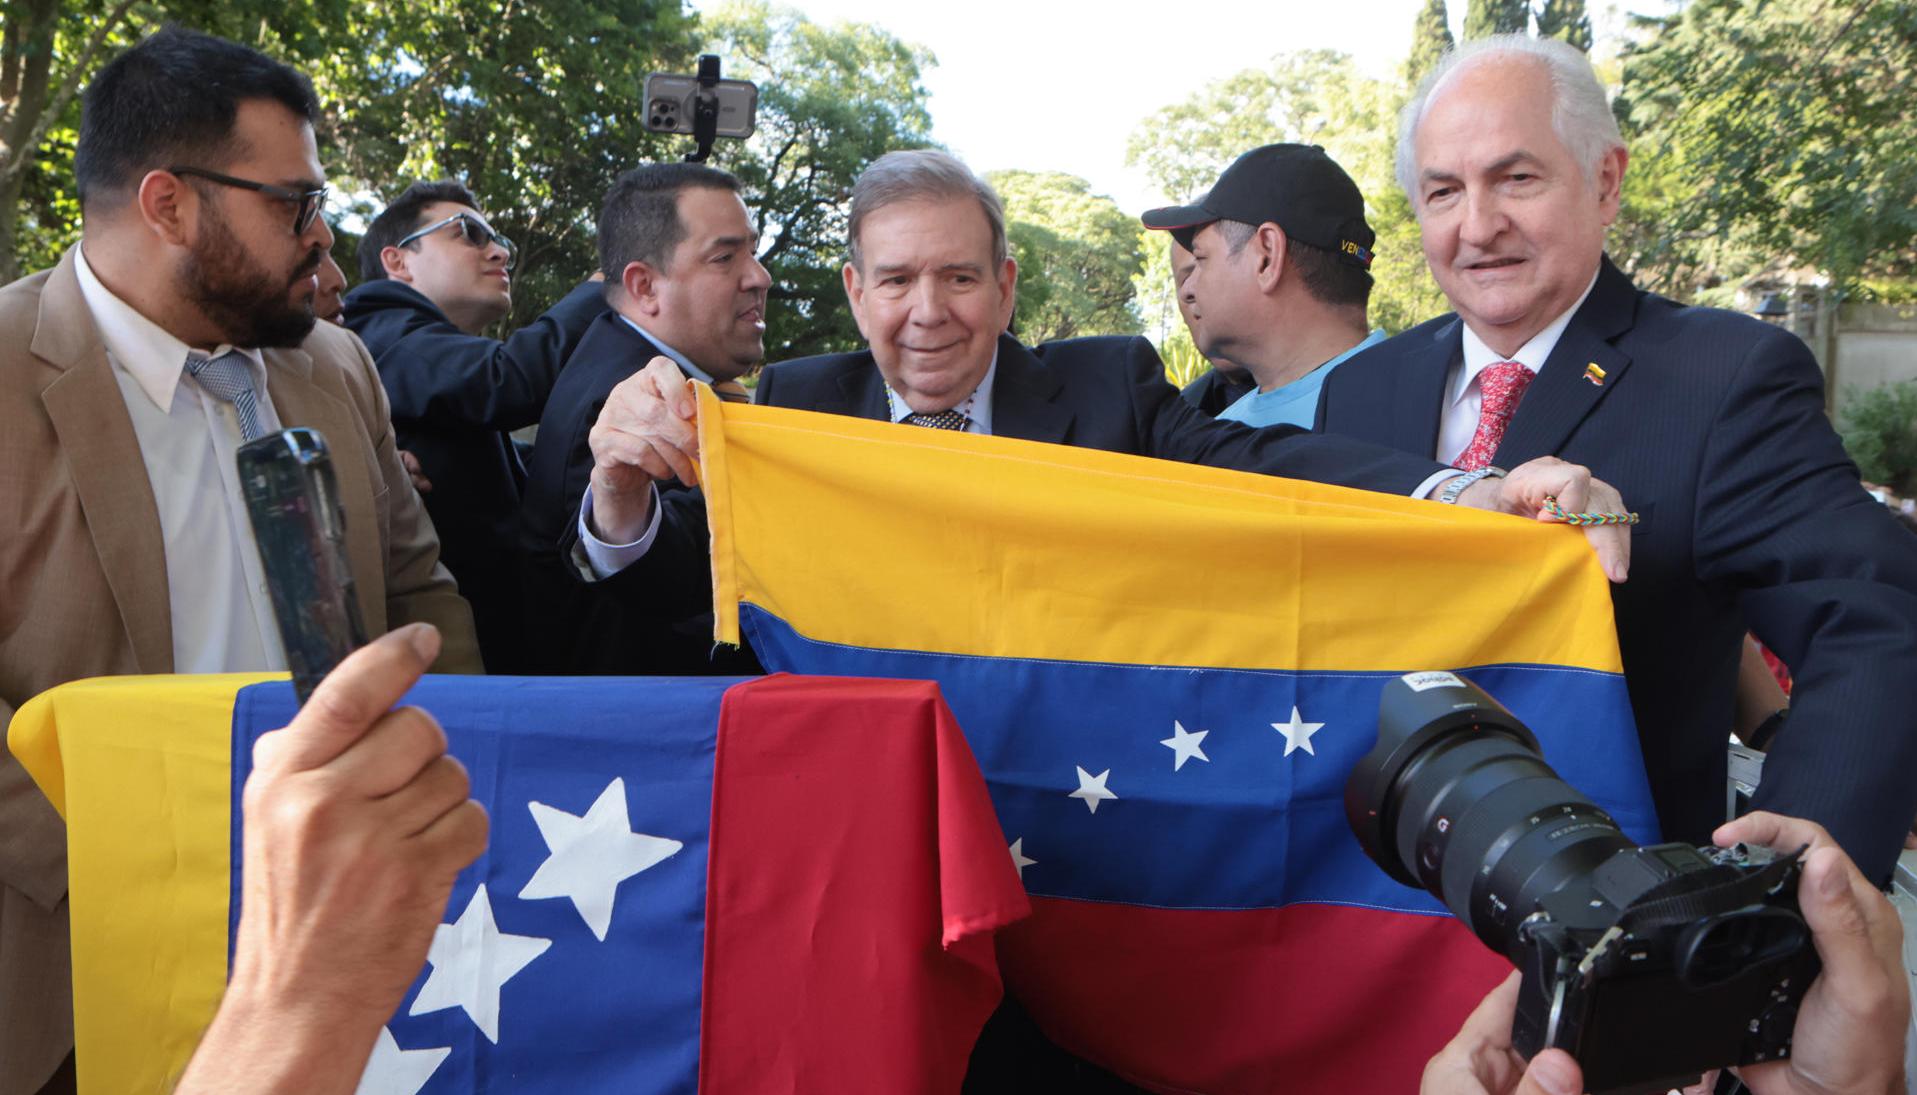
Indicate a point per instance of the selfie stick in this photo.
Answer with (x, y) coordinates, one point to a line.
(705, 109)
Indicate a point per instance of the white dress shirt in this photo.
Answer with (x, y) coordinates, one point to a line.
(1464, 396)
(595, 559)
(222, 614)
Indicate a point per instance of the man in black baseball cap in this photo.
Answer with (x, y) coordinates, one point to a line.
(1282, 276)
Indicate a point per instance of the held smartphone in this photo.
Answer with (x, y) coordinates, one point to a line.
(669, 104)
(292, 499)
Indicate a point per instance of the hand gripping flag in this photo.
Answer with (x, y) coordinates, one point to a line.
(692, 886)
(1166, 673)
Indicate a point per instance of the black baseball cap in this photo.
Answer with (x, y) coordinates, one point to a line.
(1295, 186)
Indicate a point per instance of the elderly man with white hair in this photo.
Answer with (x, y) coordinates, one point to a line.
(1711, 423)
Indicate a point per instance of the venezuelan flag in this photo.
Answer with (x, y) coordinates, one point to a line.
(692, 886)
(1166, 673)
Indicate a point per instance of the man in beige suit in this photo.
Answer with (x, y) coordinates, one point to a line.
(181, 326)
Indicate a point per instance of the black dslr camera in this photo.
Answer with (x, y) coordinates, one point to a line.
(1650, 965)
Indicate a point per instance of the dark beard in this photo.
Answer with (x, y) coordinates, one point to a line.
(247, 304)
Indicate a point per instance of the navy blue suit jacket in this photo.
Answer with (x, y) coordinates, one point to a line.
(589, 628)
(454, 396)
(1101, 393)
(1712, 426)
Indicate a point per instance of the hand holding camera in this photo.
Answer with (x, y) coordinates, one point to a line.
(1639, 967)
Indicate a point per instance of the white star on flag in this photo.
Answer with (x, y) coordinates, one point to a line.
(471, 959)
(395, 1071)
(1185, 745)
(592, 854)
(1298, 733)
(1018, 858)
(1091, 788)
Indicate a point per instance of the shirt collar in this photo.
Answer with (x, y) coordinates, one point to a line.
(976, 407)
(150, 354)
(685, 363)
(1477, 356)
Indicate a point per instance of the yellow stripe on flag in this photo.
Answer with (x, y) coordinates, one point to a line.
(1121, 558)
(141, 767)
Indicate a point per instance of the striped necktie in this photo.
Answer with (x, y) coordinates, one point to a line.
(228, 379)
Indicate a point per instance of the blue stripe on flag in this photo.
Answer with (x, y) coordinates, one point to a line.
(1247, 826)
(562, 742)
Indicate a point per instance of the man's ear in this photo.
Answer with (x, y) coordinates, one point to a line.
(1008, 287)
(640, 282)
(1272, 247)
(854, 294)
(1610, 183)
(170, 207)
(394, 261)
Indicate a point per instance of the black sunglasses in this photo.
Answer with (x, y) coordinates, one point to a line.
(306, 203)
(475, 232)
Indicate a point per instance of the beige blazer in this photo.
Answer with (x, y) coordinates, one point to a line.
(83, 583)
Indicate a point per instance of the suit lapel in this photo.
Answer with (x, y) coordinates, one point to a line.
(103, 458)
(299, 401)
(861, 391)
(1567, 389)
(1023, 393)
(1418, 390)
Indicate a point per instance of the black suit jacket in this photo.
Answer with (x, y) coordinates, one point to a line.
(454, 396)
(1101, 393)
(1712, 426)
(588, 628)
(1214, 391)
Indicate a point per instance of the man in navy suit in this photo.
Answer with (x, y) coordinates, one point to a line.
(686, 290)
(1711, 423)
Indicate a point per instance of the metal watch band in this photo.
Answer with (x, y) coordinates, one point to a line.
(1456, 485)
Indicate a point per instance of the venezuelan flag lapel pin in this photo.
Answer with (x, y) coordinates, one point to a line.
(1594, 374)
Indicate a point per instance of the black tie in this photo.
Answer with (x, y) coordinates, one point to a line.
(941, 420)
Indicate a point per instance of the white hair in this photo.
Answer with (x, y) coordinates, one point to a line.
(1580, 109)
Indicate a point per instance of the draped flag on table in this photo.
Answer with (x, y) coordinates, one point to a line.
(1166, 673)
(692, 885)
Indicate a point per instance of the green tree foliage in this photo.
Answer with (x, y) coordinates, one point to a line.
(1484, 18)
(1772, 132)
(537, 107)
(1076, 252)
(1318, 97)
(1880, 433)
(1430, 38)
(1565, 19)
(831, 100)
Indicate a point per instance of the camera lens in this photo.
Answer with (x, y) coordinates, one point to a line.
(1456, 798)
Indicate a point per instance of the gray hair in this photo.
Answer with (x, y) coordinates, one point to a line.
(1580, 110)
(922, 174)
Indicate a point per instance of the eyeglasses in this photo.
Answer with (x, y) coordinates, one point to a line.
(475, 232)
(306, 203)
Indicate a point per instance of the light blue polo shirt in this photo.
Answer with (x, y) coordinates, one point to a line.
(1296, 402)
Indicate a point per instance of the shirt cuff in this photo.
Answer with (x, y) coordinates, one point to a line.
(597, 559)
(1430, 486)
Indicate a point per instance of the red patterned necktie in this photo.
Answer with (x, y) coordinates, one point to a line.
(1502, 385)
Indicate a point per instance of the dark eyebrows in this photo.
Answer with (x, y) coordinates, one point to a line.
(724, 242)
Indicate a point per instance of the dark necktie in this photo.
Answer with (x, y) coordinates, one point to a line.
(731, 391)
(939, 420)
(228, 379)
(1502, 386)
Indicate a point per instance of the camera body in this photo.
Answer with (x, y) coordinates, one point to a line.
(1650, 964)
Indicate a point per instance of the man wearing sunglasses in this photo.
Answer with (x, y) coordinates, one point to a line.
(181, 326)
(436, 276)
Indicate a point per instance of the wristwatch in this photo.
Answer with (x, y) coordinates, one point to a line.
(1456, 485)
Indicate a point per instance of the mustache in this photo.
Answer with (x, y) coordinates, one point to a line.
(307, 268)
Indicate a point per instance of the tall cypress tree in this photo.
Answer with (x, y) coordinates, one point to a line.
(1565, 19)
(1487, 17)
(1430, 37)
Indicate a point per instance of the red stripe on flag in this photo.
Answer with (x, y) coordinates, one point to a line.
(855, 876)
(1306, 998)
